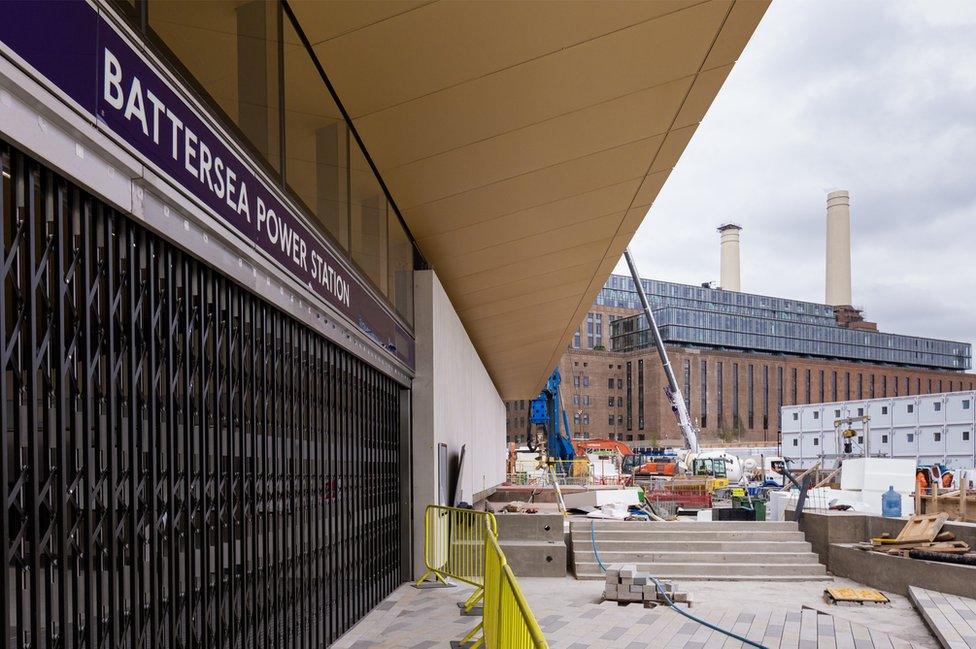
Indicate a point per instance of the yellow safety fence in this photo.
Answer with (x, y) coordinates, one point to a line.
(454, 546)
(463, 544)
(508, 621)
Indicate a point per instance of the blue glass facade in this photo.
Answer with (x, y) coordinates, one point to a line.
(699, 316)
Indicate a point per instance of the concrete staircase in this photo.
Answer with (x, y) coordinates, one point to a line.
(719, 550)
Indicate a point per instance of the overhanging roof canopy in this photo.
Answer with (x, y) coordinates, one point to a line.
(524, 141)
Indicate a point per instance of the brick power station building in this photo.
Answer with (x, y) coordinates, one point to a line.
(738, 358)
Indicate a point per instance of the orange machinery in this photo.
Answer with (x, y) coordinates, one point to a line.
(644, 462)
(634, 463)
(607, 449)
(660, 466)
(584, 446)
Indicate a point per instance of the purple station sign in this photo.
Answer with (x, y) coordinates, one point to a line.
(83, 55)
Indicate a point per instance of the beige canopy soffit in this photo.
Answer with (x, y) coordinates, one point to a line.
(524, 142)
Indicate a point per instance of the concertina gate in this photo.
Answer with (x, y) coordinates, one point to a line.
(183, 465)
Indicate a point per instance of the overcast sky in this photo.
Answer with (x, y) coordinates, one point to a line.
(874, 96)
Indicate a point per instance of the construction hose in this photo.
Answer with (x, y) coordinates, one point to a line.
(682, 611)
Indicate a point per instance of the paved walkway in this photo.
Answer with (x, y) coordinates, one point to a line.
(572, 617)
(951, 618)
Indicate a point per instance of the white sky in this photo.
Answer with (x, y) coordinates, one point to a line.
(874, 96)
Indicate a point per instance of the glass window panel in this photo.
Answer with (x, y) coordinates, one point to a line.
(401, 269)
(230, 49)
(316, 141)
(367, 219)
(128, 8)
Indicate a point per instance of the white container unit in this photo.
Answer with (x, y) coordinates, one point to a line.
(926, 428)
(877, 474)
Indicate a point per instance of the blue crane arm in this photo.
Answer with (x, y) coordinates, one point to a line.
(547, 409)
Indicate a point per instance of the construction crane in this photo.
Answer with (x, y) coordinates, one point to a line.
(546, 410)
(672, 391)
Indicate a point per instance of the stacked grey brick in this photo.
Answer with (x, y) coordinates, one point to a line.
(625, 583)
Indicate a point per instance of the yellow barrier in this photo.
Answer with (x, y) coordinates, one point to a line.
(508, 621)
(463, 544)
(454, 546)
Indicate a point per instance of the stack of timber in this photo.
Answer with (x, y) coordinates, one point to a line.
(922, 538)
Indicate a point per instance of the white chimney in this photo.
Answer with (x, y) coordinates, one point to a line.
(730, 256)
(838, 287)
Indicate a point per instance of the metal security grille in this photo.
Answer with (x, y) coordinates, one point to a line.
(183, 465)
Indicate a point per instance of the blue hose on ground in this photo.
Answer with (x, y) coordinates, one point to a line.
(682, 611)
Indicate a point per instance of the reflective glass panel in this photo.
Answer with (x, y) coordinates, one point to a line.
(316, 141)
(368, 219)
(401, 269)
(231, 50)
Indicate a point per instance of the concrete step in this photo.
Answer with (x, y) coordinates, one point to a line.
(692, 551)
(641, 545)
(688, 537)
(715, 570)
(535, 558)
(773, 558)
(700, 577)
(689, 526)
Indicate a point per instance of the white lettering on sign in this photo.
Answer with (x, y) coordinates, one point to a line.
(112, 89)
(158, 108)
(193, 155)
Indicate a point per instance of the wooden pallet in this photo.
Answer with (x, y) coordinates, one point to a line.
(854, 596)
(922, 528)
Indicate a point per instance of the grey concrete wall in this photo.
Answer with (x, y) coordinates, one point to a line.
(535, 558)
(825, 528)
(831, 533)
(454, 402)
(530, 527)
(534, 544)
(895, 574)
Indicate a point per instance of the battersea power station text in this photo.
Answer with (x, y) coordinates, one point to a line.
(245, 204)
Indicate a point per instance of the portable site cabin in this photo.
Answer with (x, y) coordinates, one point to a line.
(930, 428)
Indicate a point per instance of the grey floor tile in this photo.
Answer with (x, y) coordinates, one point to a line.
(613, 633)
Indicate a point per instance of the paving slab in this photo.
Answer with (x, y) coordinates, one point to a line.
(950, 617)
(572, 615)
